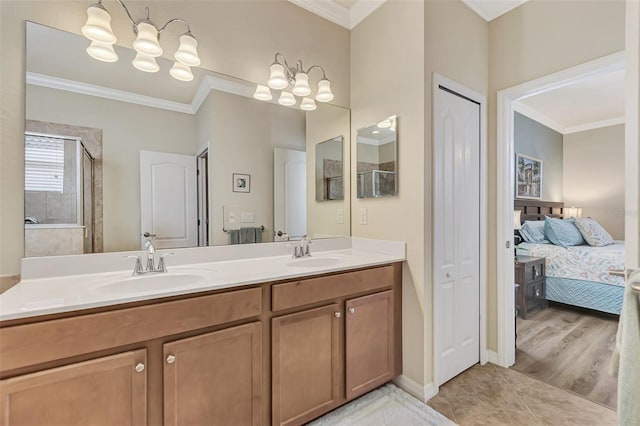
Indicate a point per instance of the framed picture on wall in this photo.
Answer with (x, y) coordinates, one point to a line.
(241, 182)
(528, 177)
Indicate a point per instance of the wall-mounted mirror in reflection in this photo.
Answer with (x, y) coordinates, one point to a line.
(377, 159)
(330, 170)
(159, 155)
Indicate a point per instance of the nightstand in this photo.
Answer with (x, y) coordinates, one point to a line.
(530, 295)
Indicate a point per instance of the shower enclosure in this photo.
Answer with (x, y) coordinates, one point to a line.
(59, 199)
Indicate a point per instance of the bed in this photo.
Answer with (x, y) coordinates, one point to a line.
(577, 275)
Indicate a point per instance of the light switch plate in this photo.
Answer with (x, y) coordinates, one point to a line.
(363, 216)
(340, 216)
(247, 217)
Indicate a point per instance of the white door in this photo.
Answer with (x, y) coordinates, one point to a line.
(289, 193)
(168, 203)
(456, 234)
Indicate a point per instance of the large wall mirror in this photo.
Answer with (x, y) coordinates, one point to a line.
(114, 155)
(377, 159)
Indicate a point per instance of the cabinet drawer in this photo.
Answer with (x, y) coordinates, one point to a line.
(32, 344)
(304, 292)
(533, 271)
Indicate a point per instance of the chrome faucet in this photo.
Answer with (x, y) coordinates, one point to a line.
(303, 249)
(151, 252)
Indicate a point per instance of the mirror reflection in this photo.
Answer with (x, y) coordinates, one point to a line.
(377, 155)
(330, 170)
(159, 157)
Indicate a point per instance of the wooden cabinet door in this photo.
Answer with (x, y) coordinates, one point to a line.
(105, 391)
(369, 342)
(306, 364)
(214, 378)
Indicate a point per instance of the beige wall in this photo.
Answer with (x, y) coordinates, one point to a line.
(533, 40)
(243, 134)
(594, 175)
(416, 39)
(122, 139)
(238, 38)
(323, 124)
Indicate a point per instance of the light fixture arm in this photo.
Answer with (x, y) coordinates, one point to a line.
(324, 75)
(164, 27)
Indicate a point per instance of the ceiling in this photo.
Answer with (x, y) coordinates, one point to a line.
(588, 103)
(349, 13)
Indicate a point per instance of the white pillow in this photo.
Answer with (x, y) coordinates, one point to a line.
(594, 234)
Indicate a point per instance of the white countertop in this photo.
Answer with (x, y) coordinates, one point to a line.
(61, 284)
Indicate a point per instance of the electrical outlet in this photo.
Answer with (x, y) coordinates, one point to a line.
(363, 216)
(340, 216)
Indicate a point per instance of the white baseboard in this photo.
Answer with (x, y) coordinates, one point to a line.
(423, 393)
(492, 357)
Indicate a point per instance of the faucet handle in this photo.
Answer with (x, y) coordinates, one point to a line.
(162, 267)
(137, 268)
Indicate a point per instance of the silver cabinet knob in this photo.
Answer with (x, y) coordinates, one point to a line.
(171, 359)
(338, 314)
(139, 367)
(352, 310)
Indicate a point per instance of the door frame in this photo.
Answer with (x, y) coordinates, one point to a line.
(437, 81)
(202, 188)
(507, 99)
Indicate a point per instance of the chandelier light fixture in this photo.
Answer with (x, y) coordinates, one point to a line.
(282, 76)
(147, 46)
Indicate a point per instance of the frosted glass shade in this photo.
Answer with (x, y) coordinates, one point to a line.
(98, 25)
(147, 40)
(181, 72)
(308, 104)
(102, 51)
(324, 91)
(187, 52)
(145, 63)
(516, 219)
(277, 79)
(286, 99)
(301, 87)
(262, 93)
(384, 124)
(572, 212)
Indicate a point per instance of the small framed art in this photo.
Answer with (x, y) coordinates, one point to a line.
(528, 177)
(241, 182)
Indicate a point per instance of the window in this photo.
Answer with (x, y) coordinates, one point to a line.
(43, 163)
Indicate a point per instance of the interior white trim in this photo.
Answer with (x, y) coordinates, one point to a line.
(545, 120)
(423, 393)
(505, 173)
(492, 357)
(491, 10)
(209, 83)
(338, 14)
(439, 80)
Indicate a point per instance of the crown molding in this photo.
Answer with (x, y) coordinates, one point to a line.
(547, 121)
(105, 92)
(208, 84)
(488, 11)
(338, 14)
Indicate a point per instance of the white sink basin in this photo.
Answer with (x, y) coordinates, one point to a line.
(315, 262)
(152, 282)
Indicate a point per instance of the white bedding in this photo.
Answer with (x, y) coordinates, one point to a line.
(579, 262)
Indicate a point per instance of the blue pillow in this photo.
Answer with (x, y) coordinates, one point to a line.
(533, 232)
(562, 232)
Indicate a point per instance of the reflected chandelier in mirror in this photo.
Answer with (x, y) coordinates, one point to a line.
(377, 159)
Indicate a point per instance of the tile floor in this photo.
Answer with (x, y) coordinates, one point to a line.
(492, 395)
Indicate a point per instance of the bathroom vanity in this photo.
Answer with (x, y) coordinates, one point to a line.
(282, 351)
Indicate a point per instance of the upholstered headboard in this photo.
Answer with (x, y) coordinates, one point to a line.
(537, 210)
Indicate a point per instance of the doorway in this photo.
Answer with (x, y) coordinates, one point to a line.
(459, 179)
(202, 171)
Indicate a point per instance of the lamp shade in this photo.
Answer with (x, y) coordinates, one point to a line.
(145, 63)
(572, 212)
(262, 93)
(301, 87)
(308, 104)
(102, 51)
(324, 91)
(384, 124)
(187, 52)
(286, 99)
(147, 40)
(516, 219)
(277, 79)
(98, 25)
(181, 72)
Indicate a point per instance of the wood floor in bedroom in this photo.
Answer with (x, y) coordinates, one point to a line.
(570, 348)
